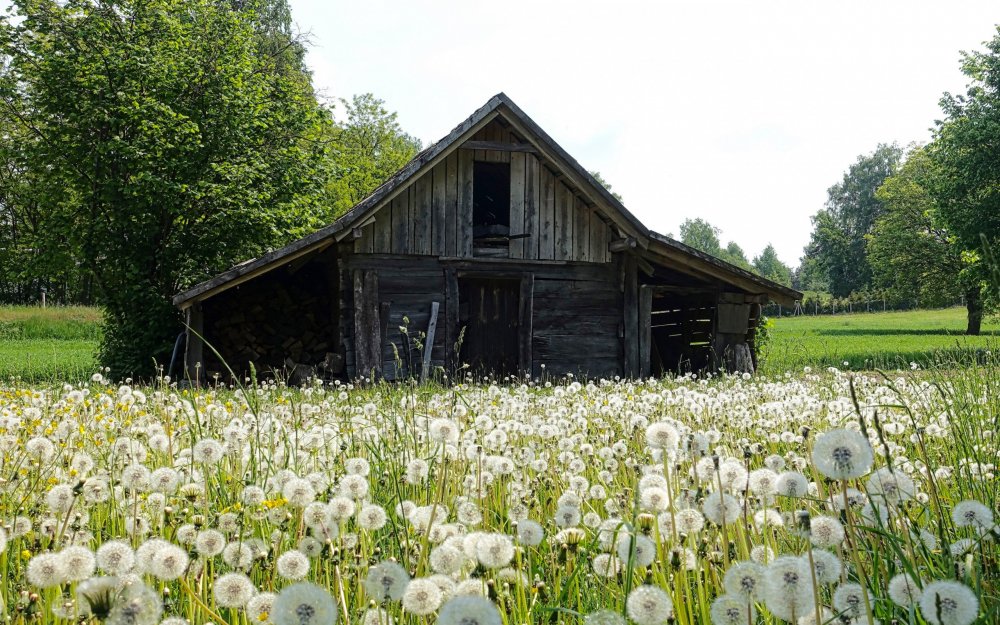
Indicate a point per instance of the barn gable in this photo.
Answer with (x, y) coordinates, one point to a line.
(493, 196)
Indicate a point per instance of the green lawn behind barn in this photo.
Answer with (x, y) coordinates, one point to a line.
(877, 340)
(57, 343)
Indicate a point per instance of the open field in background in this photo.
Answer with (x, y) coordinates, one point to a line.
(46, 344)
(876, 340)
(59, 343)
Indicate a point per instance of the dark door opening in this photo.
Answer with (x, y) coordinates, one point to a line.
(489, 314)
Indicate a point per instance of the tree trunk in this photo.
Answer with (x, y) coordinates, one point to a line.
(974, 305)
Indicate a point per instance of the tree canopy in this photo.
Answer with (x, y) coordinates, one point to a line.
(837, 244)
(966, 153)
(166, 139)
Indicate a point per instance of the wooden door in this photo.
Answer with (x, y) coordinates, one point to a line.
(489, 314)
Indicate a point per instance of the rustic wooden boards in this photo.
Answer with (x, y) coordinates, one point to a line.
(433, 214)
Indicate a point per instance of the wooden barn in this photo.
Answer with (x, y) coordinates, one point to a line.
(493, 251)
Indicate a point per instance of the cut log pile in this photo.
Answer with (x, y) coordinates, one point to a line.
(284, 327)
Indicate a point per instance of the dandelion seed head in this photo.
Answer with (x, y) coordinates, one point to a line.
(649, 605)
(948, 603)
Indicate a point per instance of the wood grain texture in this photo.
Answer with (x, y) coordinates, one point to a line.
(517, 203)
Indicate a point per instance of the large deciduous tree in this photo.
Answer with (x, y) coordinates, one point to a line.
(770, 266)
(169, 137)
(966, 151)
(912, 253)
(838, 239)
(369, 147)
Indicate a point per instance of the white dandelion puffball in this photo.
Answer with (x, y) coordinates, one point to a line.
(115, 557)
(826, 565)
(721, 508)
(649, 605)
(530, 533)
(731, 610)
(304, 603)
(791, 484)
(788, 588)
(46, 570)
(745, 580)
(904, 590)
(971, 513)
(79, 563)
(639, 552)
(842, 454)
(422, 597)
(169, 562)
(386, 580)
(137, 604)
(233, 590)
(662, 436)
(210, 543)
(293, 565)
(826, 531)
(949, 603)
(494, 551)
(606, 565)
(892, 487)
(469, 610)
(260, 606)
(850, 599)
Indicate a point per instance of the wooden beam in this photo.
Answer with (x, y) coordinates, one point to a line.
(621, 245)
(451, 329)
(194, 365)
(429, 342)
(646, 267)
(631, 321)
(367, 330)
(524, 322)
(645, 329)
(499, 146)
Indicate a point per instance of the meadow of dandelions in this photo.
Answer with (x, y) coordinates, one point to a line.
(815, 498)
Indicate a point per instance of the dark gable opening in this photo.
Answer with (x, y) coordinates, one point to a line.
(490, 200)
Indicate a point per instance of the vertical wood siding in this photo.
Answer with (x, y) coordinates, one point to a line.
(432, 216)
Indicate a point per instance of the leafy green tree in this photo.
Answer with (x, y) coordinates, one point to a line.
(735, 255)
(809, 276)
(604, 183)
(910, 251)
(966, 152)
(701, 235)
(168, 146)
(369, 147)
(838, 239)
(770, 266)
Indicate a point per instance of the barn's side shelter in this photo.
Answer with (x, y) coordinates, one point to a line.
(497, 251)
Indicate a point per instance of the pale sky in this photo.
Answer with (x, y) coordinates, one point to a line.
(742, 113)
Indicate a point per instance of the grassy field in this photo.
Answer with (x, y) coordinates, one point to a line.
(59, 343)
(42, 344)
(888, 339)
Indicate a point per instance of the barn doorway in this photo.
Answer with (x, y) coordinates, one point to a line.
(489, 313)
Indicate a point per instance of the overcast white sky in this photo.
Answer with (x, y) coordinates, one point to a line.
(742, 113)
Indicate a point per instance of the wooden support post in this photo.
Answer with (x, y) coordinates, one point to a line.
(630, 286)
(367, 330)
(645, 329)
(194, 365)
(451, 329)
(524, 321)
(429, 342)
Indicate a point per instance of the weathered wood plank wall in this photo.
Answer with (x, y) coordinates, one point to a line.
(433, 215)
(571, 312)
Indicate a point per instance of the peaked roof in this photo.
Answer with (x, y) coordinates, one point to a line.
(498, 105)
